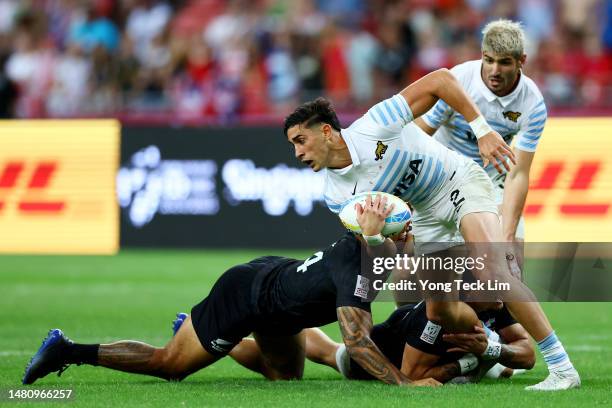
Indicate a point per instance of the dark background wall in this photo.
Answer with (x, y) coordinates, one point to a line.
(218, 187)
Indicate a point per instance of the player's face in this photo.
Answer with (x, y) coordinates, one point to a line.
(310, 145)
(500, 72)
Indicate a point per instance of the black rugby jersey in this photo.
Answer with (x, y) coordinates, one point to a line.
(306, 293)
(409, 325)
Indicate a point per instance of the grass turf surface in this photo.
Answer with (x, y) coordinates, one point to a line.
(136, 294)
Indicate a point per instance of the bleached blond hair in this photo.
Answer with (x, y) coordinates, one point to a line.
(504, 37)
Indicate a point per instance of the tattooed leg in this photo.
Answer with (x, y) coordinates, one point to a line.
(182, 356)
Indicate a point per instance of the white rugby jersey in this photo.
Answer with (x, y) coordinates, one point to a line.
(521, 114)
(391, 154)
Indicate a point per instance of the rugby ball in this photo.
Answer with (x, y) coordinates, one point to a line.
(394, 223)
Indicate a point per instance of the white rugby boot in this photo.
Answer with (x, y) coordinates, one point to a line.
(558, 381)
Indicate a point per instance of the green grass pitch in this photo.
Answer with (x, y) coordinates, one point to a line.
(136, 294)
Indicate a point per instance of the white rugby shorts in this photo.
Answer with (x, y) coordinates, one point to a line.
(469, 191)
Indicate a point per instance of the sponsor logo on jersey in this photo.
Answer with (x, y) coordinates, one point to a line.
(513, 116)
(430, 332)
(363, 287)
(381, 149)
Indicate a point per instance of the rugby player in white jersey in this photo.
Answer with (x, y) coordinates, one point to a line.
(384, 151)
(513, 105)
(510, 102)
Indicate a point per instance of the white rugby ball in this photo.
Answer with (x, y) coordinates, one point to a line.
(394, 223)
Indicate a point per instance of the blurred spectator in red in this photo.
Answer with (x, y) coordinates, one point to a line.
(334, 43)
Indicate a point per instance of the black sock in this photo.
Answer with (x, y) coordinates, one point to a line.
(83, 354)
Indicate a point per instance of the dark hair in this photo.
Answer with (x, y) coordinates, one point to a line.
(310, 113)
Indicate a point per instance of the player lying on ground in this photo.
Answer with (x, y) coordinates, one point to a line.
(421, 348)
(273, 298)
(451, 195)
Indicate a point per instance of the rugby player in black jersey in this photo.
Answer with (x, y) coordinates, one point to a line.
(421, 348)
(274, 299)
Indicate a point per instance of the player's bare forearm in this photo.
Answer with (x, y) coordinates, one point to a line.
(444, 372)
(441, 84)
(355, 325)
(518, 354)
(515, 194)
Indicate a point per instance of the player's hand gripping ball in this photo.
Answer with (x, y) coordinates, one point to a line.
(394, 223)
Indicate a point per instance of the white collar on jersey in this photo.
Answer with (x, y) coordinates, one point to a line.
(490, 96)
(346, 135)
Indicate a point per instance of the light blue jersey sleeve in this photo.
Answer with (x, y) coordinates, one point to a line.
(438, 115)
(333, 205)
(529, 136)
(385, 120)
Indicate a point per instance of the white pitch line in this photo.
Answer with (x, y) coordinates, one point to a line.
(8, 353)
(596, 336)
(588, 348)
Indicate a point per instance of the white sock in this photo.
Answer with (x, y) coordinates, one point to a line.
(554, 354)
(495, 371)
(343, 361)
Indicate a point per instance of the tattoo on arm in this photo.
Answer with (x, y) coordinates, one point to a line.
(355, 325)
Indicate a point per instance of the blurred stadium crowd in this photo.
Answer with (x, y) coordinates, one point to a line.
(231, 59)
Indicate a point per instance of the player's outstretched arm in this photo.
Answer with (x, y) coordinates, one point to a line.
(441, 84)
(355, 325)
(515, 194)
(516, 352)
(417, 364)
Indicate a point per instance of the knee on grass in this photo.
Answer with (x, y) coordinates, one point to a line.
(283, 372)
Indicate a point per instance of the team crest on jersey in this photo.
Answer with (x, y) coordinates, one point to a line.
(381, 149)
(513, 116)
